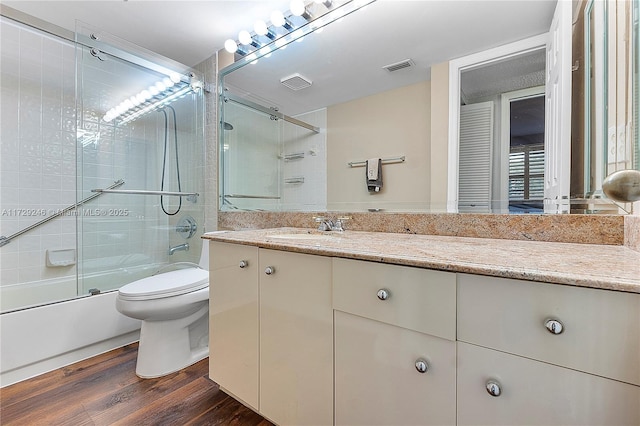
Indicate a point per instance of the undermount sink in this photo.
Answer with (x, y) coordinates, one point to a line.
(305, 237)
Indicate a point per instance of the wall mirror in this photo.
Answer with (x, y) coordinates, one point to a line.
(298, 125)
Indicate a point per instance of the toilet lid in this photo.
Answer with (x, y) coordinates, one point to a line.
(166, 284)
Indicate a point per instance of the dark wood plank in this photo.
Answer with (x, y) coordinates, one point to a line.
(104, 390)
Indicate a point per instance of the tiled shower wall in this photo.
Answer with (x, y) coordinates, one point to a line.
(37, 154)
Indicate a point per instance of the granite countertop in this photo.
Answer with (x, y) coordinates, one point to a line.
(585, 265)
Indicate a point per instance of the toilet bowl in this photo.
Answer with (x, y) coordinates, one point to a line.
(174, 308)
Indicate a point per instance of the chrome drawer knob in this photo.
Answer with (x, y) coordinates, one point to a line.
(269, 270)
(493, 388)
(243, 264)
(421, 365)
(383, 294)
(554, 326)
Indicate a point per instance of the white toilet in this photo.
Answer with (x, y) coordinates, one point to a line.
(174, 308)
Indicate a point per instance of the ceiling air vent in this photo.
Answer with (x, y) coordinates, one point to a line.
(399, 65)
(296, 82)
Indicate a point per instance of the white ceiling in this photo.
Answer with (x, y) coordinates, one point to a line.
(386, 31)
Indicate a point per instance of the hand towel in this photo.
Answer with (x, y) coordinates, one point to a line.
(373, 172)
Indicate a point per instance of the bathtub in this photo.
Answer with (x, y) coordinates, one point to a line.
(44, 338)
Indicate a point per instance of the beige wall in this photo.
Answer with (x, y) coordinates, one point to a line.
(438, 155)
(388, 124)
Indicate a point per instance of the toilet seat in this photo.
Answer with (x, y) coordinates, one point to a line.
(167, 284)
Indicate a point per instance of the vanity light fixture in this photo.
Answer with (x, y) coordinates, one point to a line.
(279, 23)
(155, 96)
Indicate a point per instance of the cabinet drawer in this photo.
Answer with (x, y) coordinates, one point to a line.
(536, 393)
(600, 328)
(376, 380)
(418, 299)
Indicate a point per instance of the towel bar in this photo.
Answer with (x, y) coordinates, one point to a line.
(384, 161)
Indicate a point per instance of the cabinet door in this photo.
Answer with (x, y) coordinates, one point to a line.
(296, 339)
(536, 393)
(376, 380)
(233, 320)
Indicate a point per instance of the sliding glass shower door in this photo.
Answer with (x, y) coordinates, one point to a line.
(126, 233)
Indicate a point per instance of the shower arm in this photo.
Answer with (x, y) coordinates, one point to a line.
(6, 240)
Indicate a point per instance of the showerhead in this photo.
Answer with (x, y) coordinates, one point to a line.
(227, 126)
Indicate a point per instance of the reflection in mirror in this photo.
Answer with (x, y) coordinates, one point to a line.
(368, 112)
(501, 141)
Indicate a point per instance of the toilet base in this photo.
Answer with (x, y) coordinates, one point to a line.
(169, 346)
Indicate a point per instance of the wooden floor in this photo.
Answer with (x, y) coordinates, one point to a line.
(104, 390)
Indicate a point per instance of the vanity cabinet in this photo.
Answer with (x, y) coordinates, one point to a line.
(310, 339)
(535, 353)
(395, 350)
(271, 331)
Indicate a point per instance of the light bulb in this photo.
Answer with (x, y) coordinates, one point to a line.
(160, 86)
(244, 37)
(260, 28)
(153, 90)
(277, 18)
(168, 82)
(230, 46)
(297, 7)
(175, 77)
(280, 42)
(134, 100)
(146, 94)
(140, 98)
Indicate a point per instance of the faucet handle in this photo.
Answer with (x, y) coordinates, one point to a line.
(339, 223)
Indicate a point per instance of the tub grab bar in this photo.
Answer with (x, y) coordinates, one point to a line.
(6, 240)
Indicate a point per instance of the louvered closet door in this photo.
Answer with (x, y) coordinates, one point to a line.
(474, 174)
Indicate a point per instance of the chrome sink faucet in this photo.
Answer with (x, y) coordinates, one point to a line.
(325, 224)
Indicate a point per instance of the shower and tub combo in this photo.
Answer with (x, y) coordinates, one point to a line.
(101, 185)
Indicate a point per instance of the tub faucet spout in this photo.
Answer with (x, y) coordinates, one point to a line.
(179, 247)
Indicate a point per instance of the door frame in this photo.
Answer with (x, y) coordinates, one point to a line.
(505, 136)
(456, 67)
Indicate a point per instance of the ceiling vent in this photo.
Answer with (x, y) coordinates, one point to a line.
(296, 82)
(399, 65)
